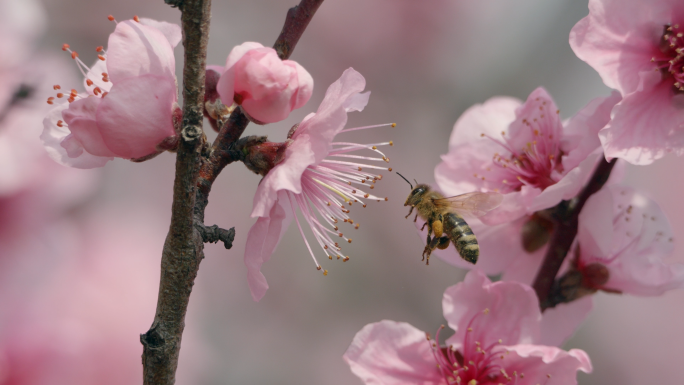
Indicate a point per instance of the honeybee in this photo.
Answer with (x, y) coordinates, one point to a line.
(443, 218)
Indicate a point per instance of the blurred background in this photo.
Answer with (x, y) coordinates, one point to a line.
(80, 250)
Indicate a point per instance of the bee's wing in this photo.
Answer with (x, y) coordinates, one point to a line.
(474, 203)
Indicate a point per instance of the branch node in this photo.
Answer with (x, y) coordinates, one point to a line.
(213, 234)
(152, 339)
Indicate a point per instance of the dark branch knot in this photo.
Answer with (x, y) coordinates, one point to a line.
(190, 133)
(213, 234)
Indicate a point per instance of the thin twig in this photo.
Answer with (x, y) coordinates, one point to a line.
(183, 248)
(566, 215)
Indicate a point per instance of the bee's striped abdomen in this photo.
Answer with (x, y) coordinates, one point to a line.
(462, 236)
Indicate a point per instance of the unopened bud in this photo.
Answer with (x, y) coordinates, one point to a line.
(536, 232)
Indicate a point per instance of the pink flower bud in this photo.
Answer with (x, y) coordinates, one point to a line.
(266, 87)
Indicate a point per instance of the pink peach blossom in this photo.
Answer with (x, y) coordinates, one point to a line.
(629, 234)
(497, 327)
(267, 88)
(524, 151)
(637, 48)
(316, 175)
(127, 110)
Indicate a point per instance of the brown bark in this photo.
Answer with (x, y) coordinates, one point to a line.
(566, 221)
(183, 248)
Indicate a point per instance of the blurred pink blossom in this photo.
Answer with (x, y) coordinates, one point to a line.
(637, 48)
(131, 95)
(309, 179)
(497, 328)
(629, 234)
(78, 321)
(267, 88)
(524, 151)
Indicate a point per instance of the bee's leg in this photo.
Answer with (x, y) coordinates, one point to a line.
(435, 243)
(423, 228)
(416, 218)
(429, 240)
(409, 214)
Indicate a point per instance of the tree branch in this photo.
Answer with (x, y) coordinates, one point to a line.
(184, 245)
(566, 215)
(183, 248)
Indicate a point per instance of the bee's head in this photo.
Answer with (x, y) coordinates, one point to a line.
(416, 195)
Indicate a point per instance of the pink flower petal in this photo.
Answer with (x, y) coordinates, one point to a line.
(172, 31)
(545, 364)
(506, 311)
(582, 129)
(618, 38)
(568, 187)
(392, 353)
(311, 142)
(80, 117)
(560, 323)
(136, 49)
(489, 118)
(305, 85)
(136, 115)
(595, 230)
(641, 240)
(226, 84)
(53, 136)
(646, 124)
(262, 240)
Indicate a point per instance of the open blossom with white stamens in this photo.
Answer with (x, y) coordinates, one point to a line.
(321, 177)
(128, 108)
(497, 330)
(524, 151)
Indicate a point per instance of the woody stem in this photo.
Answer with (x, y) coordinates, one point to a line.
(566, 216)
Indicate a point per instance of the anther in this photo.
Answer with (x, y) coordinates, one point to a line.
(101, 57)
(97, 91)
(340, 235)
(60, 95)
(356, 226)
(136, 18)
(389, 169)
(99, 49)
(89, 82)
(60, 123)
(372, 187)
(318, 267)
(325, 272)
(110, 18)
(385, 199)
(391, 143)
(56, 87)
(345, 259)
(74, 55)
(65, 47)
(330, 257)
(394, 125)
(349, 240)
(374, 148)
(50, 100)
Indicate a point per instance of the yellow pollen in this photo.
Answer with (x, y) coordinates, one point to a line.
(391, 143)
(394, 125)
(472, 382)
(486, 311)
(325, 272)
(336, 191)
(330, 257)
(374, 148)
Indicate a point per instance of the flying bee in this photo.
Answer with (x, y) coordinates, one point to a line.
(443, 218)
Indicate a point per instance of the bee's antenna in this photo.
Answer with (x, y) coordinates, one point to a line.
(407, 181)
